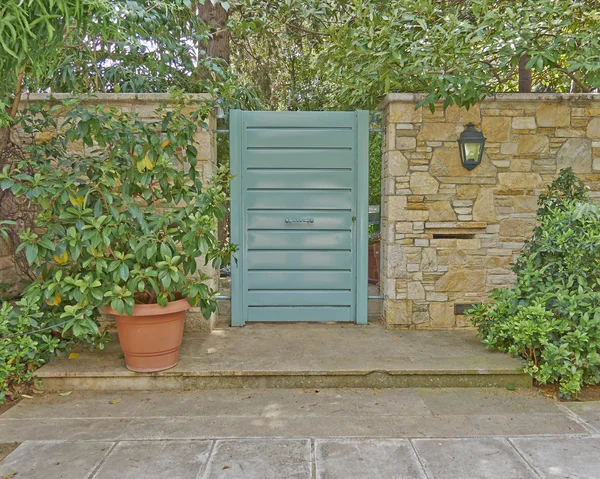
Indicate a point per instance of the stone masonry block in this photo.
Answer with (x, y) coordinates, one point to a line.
(593, 128)
(397, 312)
(520, 181)
(406, 143)
(441, 211)
(442, 315)
(397, 164)
(484, 208)
(533, 144)
(569, 133)
(463, 116)
(496, 128)
(523, 123)
(395, 261)
(422, 183)
(577, 154)
(415, 290)
(439, 132)
(461, 281)
(553, 114)
(405, 113)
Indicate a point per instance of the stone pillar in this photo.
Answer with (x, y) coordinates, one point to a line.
(449, 235)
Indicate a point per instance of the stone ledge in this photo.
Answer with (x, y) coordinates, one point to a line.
(456, 227)
(499, 97)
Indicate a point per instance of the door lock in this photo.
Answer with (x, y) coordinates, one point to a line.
(353, 219)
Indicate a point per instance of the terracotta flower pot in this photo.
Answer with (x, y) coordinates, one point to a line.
(152, 335)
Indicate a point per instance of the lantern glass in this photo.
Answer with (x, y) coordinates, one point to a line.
(472, 151)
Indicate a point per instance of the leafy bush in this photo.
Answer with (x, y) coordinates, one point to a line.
(123, 219)
(20, 355)
(551, 317)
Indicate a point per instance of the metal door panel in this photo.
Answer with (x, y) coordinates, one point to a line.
(299, 216)
(300, 138)
(300, 314)
(315, 179)
(299, 259)
(299, 240)
(298, 159)
(300, 220)
(300, 298)
(299, 119)
(296, 280)
(298, 199)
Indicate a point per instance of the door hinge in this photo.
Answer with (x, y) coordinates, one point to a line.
(353, 219)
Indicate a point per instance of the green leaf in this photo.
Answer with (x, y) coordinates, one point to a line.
(118, 305)
(124, 272)
(151, 250)
(31, 253)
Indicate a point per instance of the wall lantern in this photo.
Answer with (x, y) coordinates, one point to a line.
(470, 145)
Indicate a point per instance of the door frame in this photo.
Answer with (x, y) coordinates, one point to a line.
(361, 206)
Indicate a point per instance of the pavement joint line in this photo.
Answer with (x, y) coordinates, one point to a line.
(204, 467)
(202, 473)
(523, 458)
(570, 414)
(578, 419)
(419, 460)
(321, 438)
(103, 460)
(313, 459)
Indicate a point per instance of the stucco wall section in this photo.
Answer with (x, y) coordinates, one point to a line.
(450, 235)
(144, 105)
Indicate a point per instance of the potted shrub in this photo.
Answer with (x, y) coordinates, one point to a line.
(124, 223)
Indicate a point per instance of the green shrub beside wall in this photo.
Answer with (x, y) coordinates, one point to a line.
(551, 317)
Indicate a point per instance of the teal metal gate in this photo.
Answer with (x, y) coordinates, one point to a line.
(299, 216)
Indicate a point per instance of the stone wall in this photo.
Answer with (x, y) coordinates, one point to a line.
(450, 235)
(144, 105)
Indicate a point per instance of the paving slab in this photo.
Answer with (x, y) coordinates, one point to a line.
(479, 425)
(471, 458)
(391, 413)
(301, 355)
(155, 460)
(152, 415)
(562, 457)
(259, 458)
(588, 412)
(487, 401)
(359, 459)
(56, 460)
(211, 403)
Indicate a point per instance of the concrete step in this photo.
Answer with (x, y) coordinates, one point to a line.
(300, 356)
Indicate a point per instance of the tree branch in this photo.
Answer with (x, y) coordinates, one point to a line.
(17, 98)
(577, 81)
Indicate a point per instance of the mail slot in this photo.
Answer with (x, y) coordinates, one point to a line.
(299, 220)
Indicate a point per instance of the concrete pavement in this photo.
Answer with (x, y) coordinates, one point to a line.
(389, 433)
